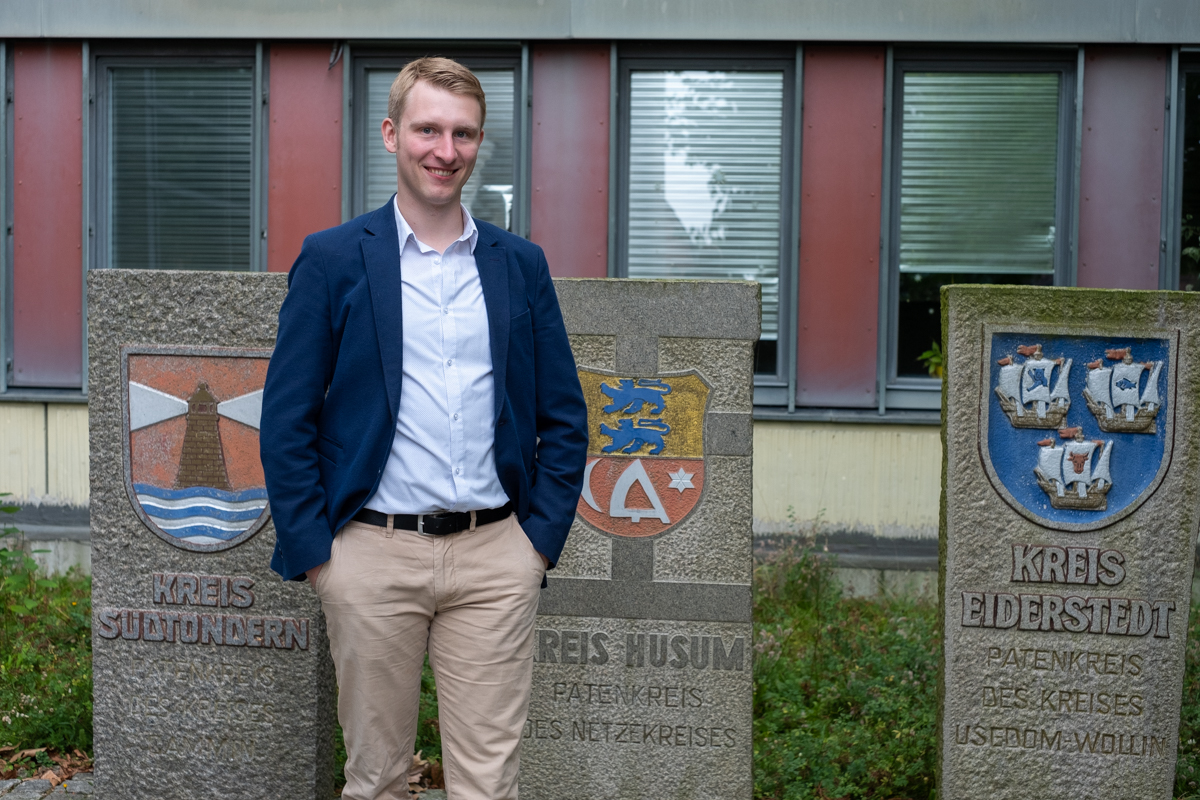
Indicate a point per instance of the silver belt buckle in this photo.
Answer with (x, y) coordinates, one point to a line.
(421, 524)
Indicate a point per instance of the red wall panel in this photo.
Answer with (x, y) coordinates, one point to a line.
(47, 215)
(569, 214)
(842, 171)
(305, 149)
(1121, 167)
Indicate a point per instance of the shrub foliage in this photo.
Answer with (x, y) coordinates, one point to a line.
(45, 657)
(845, 690)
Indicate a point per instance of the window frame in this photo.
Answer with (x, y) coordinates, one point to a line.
(1185, 61)
(770, 388)
(918, 393)
(364, 132)
(102, 58)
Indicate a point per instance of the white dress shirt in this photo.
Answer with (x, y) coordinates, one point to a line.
(443, 452)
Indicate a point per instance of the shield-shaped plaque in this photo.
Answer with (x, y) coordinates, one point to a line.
(192, 467)
(1076, 430)
(645, 469)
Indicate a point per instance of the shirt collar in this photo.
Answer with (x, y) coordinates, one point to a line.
(470, 233)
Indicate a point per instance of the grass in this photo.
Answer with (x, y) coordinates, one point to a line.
(845, 689)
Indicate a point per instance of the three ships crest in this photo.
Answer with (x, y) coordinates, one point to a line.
(1072, 478)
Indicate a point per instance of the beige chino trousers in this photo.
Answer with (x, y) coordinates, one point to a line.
(470, 598)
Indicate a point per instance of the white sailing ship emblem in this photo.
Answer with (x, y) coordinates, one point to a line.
(1070, 476)
(1116, 396)
(1033, 393)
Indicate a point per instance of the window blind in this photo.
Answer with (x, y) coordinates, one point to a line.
(180, 150)
(488, 194)
(978, 172)
(705, 166)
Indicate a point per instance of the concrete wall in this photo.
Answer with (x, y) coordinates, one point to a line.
(879, 480)
(44, 453)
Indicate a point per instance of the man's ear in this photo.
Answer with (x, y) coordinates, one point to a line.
(390, 135)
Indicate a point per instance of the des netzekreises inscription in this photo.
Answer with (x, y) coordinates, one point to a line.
(186, 627)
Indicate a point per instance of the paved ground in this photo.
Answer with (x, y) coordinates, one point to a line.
(81, 784)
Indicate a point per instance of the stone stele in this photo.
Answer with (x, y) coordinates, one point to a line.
(212, 676)
(1072, 467)
(642, 655)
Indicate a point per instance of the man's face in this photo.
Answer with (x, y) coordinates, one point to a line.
(436, 143)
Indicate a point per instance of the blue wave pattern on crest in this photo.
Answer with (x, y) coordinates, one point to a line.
(1136, 457)
(200, 514)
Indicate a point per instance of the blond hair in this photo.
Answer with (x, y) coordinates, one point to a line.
(444, 73)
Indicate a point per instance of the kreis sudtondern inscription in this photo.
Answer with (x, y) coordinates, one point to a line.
(1070, 513)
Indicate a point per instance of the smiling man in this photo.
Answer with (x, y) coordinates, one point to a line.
(424, 437)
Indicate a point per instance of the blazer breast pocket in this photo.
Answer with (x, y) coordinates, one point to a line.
(328, 449)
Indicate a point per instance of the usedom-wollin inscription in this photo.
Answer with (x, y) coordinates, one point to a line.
(188, 627)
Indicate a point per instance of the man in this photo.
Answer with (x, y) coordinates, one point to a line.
(423, 438)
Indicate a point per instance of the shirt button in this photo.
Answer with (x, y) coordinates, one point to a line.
(457, 470)
(449, 362)
(456, 417)
(445, 311)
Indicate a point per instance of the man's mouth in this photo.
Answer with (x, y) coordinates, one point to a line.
(441, 173)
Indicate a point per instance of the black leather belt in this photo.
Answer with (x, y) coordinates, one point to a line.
(441, 524)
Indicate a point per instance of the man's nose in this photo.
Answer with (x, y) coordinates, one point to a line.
(445, 147)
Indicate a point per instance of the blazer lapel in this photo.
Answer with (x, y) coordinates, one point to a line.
(492, 262)
(381, 254)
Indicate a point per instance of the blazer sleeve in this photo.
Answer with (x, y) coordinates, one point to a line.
(294, 394)
(561, 424)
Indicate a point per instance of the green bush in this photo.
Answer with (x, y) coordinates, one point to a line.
(45, 657)
(845, 690)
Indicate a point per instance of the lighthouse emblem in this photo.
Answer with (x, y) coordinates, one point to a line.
(192, 468)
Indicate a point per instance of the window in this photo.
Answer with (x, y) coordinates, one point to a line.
(176, 155)
(1189, 208)
(980, 193)
(491, 192)
(705, 169)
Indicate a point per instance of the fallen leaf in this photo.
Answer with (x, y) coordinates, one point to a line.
(52, 776)
(24, 753)
(8, 747)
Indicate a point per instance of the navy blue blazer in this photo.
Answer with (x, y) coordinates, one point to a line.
(332, 394)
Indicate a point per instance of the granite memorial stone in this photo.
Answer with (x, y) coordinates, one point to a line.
(212, 676)
(1070, 490)
(642, 655)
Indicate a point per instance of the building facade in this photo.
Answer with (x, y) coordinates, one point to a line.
(852, 157)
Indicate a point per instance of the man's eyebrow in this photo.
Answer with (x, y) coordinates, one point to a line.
(432, 124)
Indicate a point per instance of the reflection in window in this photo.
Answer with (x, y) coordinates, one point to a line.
(488, 194)
(705, 165)
(1189, 250)
(180, 143)
(978, 189)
